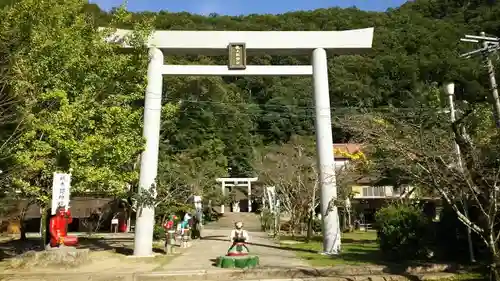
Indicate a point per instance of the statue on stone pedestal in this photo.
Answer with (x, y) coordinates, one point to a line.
(239, 237)
(58, 228)
(197, 218)
(238, 254)
(170, 234)
(185, 230)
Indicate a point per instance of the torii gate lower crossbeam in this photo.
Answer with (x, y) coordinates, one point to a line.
(315, 43)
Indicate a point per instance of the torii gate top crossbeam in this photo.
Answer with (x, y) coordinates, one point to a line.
(257, 42)
(236, 180)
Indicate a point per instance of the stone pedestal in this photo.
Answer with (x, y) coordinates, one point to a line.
(185, 239)
(170, 243)
(54, 257)
(67, 255)
(249, 261)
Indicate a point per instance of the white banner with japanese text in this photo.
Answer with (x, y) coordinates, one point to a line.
(61, 185)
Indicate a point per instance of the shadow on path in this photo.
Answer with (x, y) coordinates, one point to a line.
(124, 246)
(219, 238)
(120, 245)
(355, 261)
(13, 248)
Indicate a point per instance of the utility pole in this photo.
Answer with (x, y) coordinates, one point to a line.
(450, 90)
(489, 45)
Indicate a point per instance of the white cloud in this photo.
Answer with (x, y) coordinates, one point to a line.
(108, 4)
(223, 7)
(208, 6)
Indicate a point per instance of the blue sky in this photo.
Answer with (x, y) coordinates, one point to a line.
(238, 7)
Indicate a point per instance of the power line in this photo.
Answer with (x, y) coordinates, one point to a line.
(488, 45)
(334, 113)
(291, 106)
(265, 107)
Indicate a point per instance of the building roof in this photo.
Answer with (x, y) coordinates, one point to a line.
(340, 149)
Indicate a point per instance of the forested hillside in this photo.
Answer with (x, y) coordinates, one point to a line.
(214, 126)
(416, 49)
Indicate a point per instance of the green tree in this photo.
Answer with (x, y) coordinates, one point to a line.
(291, 168)
(211, 115)
(419, 143)
(79, 98)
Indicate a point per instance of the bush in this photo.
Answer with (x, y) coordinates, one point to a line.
(402, 232)
(286, 226)
(210, 216)
(451, 236)
(158, 232)
(317, 225)
(266, 220)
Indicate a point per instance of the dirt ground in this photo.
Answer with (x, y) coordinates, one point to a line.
(105, 255)
(109, 259)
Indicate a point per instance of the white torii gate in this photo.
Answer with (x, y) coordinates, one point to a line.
(230, 182)
(239, 44)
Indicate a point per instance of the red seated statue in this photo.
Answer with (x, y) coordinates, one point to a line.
(59, 229)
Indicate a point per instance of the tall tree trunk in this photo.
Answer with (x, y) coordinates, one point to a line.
(492, 247)
(23, 230)
(22, 217)
(44, 226)
(311, 214)
(348, 209)
(349, 220)
(344, 220)
(129, 220)
(310, 226)
(494, 270)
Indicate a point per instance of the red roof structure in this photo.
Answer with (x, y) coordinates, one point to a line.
(340, 149)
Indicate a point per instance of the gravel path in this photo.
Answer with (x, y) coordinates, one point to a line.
(215, 242)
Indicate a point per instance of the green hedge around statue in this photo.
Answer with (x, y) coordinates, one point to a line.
(237, 261)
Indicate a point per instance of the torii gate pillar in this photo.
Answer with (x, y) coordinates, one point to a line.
(316, 43)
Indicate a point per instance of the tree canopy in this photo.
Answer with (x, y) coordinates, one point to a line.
(77, 99)
(80, 100)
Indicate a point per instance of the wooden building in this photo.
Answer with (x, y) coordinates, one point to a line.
(88, 214)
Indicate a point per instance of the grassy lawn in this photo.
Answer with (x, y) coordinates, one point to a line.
(358, 248)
